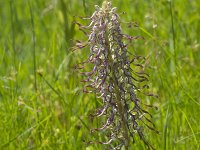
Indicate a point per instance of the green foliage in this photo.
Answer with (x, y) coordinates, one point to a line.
(52, 113)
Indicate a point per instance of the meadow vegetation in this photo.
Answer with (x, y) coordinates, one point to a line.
(41, 103)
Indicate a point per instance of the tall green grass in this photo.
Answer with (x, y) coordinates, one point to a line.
(41, 106)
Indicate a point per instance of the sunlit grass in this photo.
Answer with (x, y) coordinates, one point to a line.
(55, 116)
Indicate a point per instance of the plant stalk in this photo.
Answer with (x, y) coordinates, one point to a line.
(120, 103)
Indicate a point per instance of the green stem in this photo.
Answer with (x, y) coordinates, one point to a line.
(119, 101)
(122, 115)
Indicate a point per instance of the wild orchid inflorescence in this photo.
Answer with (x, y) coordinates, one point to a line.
(114, 79)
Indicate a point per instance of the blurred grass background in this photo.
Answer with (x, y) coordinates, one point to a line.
(40, 103)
